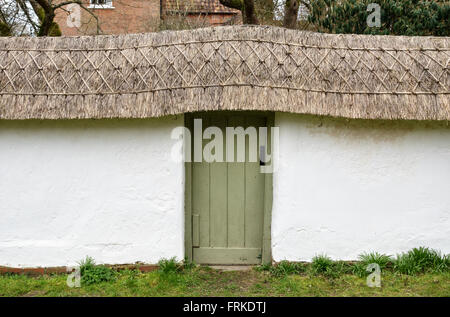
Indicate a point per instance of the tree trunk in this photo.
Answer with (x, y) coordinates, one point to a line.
(249, 12)
(46, 24)
(291, 13)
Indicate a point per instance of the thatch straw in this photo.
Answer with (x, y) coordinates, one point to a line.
(225, 68)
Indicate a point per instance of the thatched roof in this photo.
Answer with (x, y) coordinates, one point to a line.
(225, 68)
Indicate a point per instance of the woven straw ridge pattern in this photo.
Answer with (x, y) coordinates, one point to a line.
(225, 68)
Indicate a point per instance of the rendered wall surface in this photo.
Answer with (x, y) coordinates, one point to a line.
(104, 188)
(345, 187)
(109, 189)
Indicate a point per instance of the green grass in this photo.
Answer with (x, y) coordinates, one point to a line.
(383, 260)
(324, 266)
(171, 265)
(204, 281)
(419, 260)
(283, 268)
(93, 274)
(418, 272)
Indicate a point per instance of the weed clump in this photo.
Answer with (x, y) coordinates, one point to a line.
(360, 268)
(171, 265)
(92, 273)
(421, 260)
(284, 268)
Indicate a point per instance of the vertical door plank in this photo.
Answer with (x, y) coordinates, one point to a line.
(254, 194)
(236, 193)
(200, 195)
(218, 193)
(267, 240)
(188, 197)
(195, 230)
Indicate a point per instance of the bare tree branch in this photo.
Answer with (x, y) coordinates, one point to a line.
(23, 6)
(38, 16)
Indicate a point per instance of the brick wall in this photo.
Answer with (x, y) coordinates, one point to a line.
(126, 16)
(174, 21)
(220, 19)
(136, 16)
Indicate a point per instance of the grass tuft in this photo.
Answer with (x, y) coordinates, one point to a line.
(360, 268)
(321, 264)
(92, 273)
(171, 265)
(421, 260)
(188, 265)
(325, 266)
(284, 268)
(265, 267)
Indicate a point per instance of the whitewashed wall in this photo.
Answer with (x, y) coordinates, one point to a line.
(104, 188)
(109, 189)
(345, 187)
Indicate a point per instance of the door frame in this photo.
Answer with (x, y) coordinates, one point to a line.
(268, 194)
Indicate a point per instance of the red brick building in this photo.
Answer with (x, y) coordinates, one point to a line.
(136, 16)
(209, 12)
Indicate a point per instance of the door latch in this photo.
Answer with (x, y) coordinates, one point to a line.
(262, 155)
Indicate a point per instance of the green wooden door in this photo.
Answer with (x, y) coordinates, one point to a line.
(227, 203)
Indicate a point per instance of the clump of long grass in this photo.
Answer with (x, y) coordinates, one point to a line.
(325, 266)
(415, 261)
(360, 267)
(282, 268)
(286, 268)
(421, 260)
(321, 264)
(171, 265)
